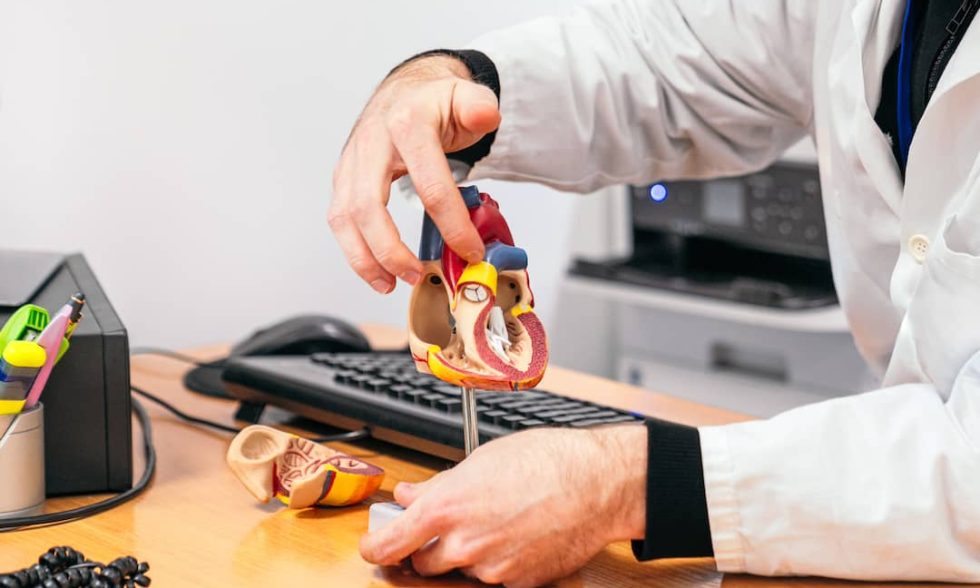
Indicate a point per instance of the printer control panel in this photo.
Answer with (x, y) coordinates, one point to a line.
(777, 210)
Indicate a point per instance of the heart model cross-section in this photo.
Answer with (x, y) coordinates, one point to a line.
(474, 325)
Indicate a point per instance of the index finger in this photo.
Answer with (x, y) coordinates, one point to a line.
(401, 538)
(421, 151)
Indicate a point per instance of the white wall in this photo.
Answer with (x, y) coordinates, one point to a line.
(186, 148)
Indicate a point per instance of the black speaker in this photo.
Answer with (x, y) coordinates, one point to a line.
(88, 426)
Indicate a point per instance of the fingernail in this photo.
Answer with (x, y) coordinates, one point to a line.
(405, 486)
(474, 257)
(412, 277)
(382, 286)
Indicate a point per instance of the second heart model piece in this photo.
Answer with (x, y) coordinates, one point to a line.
(473, 325)
(298, 472)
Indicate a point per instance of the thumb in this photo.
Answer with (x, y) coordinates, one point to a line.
(406, 493)
(475, 109)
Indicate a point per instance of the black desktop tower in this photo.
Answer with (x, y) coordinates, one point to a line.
(87, 421)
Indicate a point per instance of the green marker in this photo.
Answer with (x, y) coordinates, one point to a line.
(25, 324)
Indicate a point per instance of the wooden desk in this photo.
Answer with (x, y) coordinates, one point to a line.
(197, 526)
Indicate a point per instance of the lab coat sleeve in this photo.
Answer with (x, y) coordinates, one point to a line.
(884, 485)
(629, 91)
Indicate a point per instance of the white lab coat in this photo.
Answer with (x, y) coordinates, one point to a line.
(883, 485)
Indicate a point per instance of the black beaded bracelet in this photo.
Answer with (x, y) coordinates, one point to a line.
(65, 567)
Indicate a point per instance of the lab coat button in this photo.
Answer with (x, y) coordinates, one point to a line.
(918, 246)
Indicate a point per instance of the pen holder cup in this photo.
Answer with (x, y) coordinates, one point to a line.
(22, 463)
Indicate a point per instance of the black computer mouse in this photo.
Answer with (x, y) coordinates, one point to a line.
(303, 335)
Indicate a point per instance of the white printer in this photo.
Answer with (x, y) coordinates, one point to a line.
(719, 291)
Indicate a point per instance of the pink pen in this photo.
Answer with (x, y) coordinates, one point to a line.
(50, 339)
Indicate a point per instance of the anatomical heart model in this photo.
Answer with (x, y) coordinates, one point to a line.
(473, 325)
(298, 472)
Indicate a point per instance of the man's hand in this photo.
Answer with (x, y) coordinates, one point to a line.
(524, 509)
(425, 109)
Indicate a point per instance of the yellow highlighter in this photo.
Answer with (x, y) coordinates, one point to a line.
(19, 365)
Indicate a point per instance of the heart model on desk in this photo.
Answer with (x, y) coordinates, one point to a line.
(473, 325)
(297, 471)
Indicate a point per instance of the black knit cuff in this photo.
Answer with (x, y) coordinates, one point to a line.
(677, 511)
(482, 71)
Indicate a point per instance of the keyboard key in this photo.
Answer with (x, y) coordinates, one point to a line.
(494, 400)
(532, 408)
(532, 395)
(563, 407)
(602, 415)
(448, 390)
(603, 421)
(377, 385)
(361, 380)
(586, 423)
(492, 415)
(530, 424)
(343, 377)
(398, 390)
(623, 418)
(514, 405)
(605, 414)
(415, 395)
(327, 359)
(570, 418)
(582, 410)
(552, 414)
(510, 421)
(450, 405)
(431, 399)
(554, 403)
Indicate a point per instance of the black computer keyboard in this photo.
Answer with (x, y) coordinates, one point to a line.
(385, 392)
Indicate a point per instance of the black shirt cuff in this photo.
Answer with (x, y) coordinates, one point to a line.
(677, 511)
(482, 71)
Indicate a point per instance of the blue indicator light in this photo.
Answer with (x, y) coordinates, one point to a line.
(658, 192)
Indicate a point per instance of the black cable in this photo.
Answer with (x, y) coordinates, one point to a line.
(183, 415)
(357, 435)
(348, 436)
(171, 354)
(55, 518)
